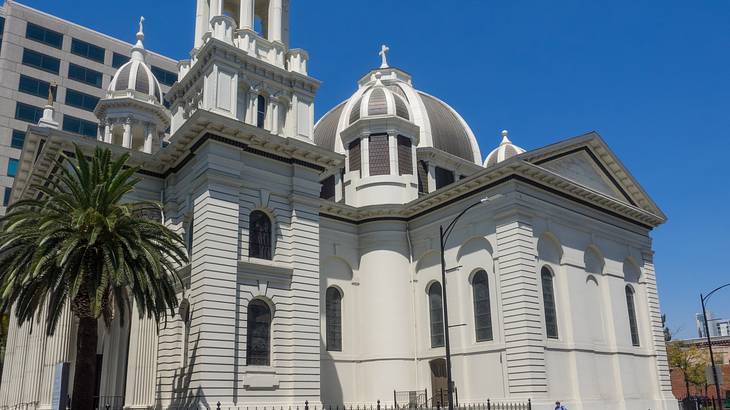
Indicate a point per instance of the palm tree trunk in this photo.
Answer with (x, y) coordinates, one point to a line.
(85, 373)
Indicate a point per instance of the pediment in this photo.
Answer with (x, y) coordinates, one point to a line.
(584, 169)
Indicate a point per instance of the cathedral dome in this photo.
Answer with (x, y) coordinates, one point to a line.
(389, 92)
(504, 151)
(135, 75)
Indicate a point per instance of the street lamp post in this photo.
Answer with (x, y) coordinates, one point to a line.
(444, 237)
(704, 299)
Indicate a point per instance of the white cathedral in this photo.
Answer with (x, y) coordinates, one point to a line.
(315, 271)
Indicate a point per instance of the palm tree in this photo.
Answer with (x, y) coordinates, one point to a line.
(81, 243)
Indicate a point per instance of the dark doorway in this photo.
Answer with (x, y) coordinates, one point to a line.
(439, 382)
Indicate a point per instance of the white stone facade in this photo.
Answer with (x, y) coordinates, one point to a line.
(282, 219)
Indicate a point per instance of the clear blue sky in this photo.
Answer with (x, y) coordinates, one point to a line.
(652, 77)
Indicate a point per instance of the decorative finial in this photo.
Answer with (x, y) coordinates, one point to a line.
(138, 51)
(384, 55)
(505, 137)
(140, 33)
(51, 93)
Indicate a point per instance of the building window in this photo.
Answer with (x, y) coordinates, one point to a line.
(548, 300)
(164, 76)
(28, 113)
(634, 327)
(18, 139)
(80, 100)
(260, 236)
(258, 334)
(379, 155)
(2, 28)
(87, 50)
(405, 156)
(260, 111)
(12, 167)
(436, 309)
(333, 311)
(32, 86)
(41, 61)
(190, 235)
(85, 75)
(79, 126)
(422, 177)
(355, 154)
(44, 35)
(328, 188)
(119, 60)
(6, 196)
(444, 177)
(482, 307)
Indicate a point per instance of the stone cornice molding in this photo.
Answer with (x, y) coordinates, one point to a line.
(444, 159)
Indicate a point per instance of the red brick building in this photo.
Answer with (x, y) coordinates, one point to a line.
(721, 348)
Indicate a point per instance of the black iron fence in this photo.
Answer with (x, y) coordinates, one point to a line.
(489, 405)
(703, 403)
(108, 402)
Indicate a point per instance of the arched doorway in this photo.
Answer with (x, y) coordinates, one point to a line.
(439, 383)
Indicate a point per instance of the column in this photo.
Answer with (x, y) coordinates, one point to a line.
(274, 115)
(141, 363)
(127, 138)
(251, 111)
(276, 12)
(107, 133)
(523, 334)
(216, 9)
(58, 349)
(100, 132)
(246, 15)
(149, 137)
(365, 156)
(393, 153)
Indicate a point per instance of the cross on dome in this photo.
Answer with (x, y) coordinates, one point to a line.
(384, 55)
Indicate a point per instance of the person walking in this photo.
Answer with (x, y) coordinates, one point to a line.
(559, 406)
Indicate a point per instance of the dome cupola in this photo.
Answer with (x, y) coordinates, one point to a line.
(132, 113)
(135, 76)
(504, 151)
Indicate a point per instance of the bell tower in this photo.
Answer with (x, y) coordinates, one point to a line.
(241, 53)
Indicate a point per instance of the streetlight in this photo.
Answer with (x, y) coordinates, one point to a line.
(704, 299)
(444, 237)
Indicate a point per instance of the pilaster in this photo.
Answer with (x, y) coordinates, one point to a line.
(58, 350)
(525, 347)
(141, 363)
(657, 331)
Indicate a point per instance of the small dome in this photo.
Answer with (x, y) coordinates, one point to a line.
(378, 101)
(135, 75)
(389, 92)
(504, 151)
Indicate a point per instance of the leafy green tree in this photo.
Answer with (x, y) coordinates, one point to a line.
(691, 360)
(81, 243)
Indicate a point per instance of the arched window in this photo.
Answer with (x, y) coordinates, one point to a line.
(436, 308)
(548, 300)
(259, 227)
(482, 307)
(333, 311)
(260, 111)
(258, 337)
(632, 316)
